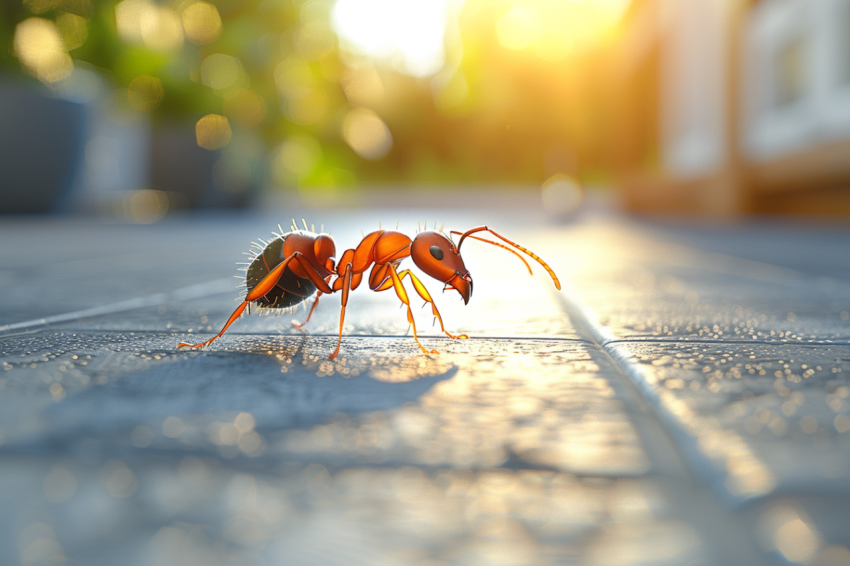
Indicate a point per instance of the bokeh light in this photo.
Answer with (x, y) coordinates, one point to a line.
(790, 532)
(119, 479)
(145, 206)
(246, 107)
(295, 159)
(291, 74)
(363, 86)
(157, 27)
(562, 195)
(213, 131)
(306, 106)
(302, 98)
(145, 92)
(202, 23)
(172, 427)
(74, 30)
(219, 71)
(367, 134)
(39, 46)
(128, 17)
(315, 38)
(42, 6)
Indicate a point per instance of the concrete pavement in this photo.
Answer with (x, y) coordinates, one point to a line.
(684, 400)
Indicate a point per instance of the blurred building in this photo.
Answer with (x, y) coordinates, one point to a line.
(734, 106)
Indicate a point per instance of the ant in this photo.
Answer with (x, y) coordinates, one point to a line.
(297, 264)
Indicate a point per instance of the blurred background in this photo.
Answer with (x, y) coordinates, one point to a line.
(136, 108)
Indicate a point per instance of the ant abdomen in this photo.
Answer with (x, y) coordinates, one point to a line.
(290, 289)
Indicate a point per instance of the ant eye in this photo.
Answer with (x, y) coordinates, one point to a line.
(437, 253)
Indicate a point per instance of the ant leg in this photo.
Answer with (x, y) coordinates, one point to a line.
(297, 324)
(423, 292)
(264, 286)
(313, 275)
(346, 287)
(402, 294)
(230, 320)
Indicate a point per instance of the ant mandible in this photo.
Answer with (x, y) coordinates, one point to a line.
(299, 263)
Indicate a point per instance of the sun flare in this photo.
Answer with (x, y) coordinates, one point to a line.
(410, 35)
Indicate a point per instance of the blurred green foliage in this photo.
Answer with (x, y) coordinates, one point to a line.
(494, 114)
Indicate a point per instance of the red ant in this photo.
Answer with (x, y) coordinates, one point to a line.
(297, 264)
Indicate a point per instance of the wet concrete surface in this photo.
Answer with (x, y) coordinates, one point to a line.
(683, 400)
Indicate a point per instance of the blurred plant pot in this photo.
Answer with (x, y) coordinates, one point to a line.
(195, 177)
(41, 148)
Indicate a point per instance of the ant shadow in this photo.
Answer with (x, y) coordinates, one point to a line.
(282, 385)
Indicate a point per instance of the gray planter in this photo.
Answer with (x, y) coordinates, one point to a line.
(198, 178)
(41, 147)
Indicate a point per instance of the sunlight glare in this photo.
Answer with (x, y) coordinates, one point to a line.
(555, 27)
(518, 28)
(407, 34)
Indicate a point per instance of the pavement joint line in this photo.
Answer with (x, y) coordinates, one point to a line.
(529, 338)
(403, 336)
(701, 465)
(536, 338)
(185, 293)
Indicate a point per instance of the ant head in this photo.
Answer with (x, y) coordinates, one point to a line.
(438, 257)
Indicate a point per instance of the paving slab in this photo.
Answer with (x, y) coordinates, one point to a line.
(763, 424)
(649, 288)
(196, 511)
(664, 409)
(786, 404)
(743, 360)
(526, 446)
